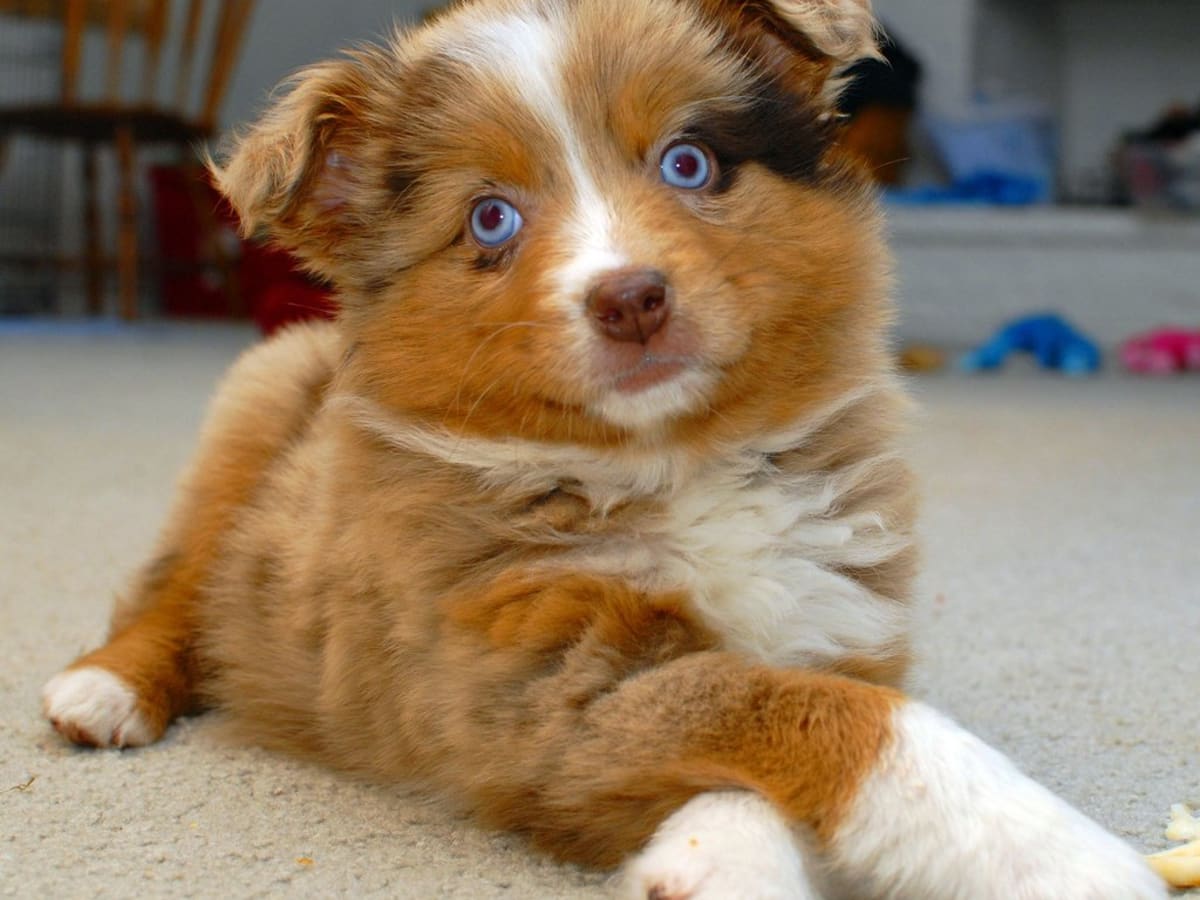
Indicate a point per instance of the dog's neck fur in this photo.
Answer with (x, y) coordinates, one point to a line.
(607, 477)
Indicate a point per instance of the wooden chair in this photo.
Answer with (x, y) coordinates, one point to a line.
(126, 123)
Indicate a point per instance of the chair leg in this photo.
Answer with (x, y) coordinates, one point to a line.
(127, 248)
(93, 260)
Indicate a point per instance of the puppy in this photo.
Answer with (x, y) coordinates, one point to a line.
(586, 513)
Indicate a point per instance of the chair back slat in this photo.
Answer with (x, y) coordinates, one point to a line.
(187, 52)
(156, 31)
(118, 26)
(231, 30)
(75, 21)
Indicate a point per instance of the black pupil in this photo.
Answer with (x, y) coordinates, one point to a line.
(687, 164)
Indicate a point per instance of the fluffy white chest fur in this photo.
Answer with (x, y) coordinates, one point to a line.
(761, 552)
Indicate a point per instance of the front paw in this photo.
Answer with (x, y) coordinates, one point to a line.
(1043, 849)
(720, 846)
(95, 708)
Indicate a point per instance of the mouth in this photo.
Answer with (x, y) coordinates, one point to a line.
(650, 372)
(654, 390)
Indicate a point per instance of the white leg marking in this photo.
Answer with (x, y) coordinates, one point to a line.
(94, 706)
(945, 817)
(721, 846)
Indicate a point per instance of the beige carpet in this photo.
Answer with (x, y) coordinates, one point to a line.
(1061, 623)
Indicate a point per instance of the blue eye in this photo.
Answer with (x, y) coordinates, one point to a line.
(495, 222)
(686, 166)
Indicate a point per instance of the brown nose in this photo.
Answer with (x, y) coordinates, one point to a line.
(630, 305)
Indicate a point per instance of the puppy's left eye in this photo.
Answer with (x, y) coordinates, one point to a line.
(495, 222)
(686, 166)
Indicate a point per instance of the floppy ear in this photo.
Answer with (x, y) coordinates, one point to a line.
(804, 41)
(292, 176)
(844, 31)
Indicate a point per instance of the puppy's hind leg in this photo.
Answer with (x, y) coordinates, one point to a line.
(127, 692)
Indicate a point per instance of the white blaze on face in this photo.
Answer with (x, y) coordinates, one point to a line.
(527, 53)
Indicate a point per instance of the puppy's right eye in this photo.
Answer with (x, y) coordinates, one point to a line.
(495, 222)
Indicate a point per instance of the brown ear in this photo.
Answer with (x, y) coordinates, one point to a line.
(805, 41)
(844, 31)
(293, 172)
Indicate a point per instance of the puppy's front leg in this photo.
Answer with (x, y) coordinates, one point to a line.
(939, 816)
(626, 735)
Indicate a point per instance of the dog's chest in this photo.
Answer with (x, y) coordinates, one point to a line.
(764, 558)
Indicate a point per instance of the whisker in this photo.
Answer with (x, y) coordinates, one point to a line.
(466, 371)
(483, 396)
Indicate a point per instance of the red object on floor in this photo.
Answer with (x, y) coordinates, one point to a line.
(196, 229)
(1162, 352)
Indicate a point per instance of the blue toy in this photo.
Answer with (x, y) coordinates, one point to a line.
(1051, 339)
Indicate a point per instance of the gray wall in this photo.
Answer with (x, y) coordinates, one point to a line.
(1125, 63)
(1017, 48)
(288, 34)
(940, 32)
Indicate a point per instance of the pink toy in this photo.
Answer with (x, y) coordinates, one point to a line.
(1162, 352)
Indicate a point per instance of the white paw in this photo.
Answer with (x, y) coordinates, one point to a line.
(720, 846)
(945, 817)
(93, 706)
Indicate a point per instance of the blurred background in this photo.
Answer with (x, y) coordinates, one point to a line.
(1038, 156)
